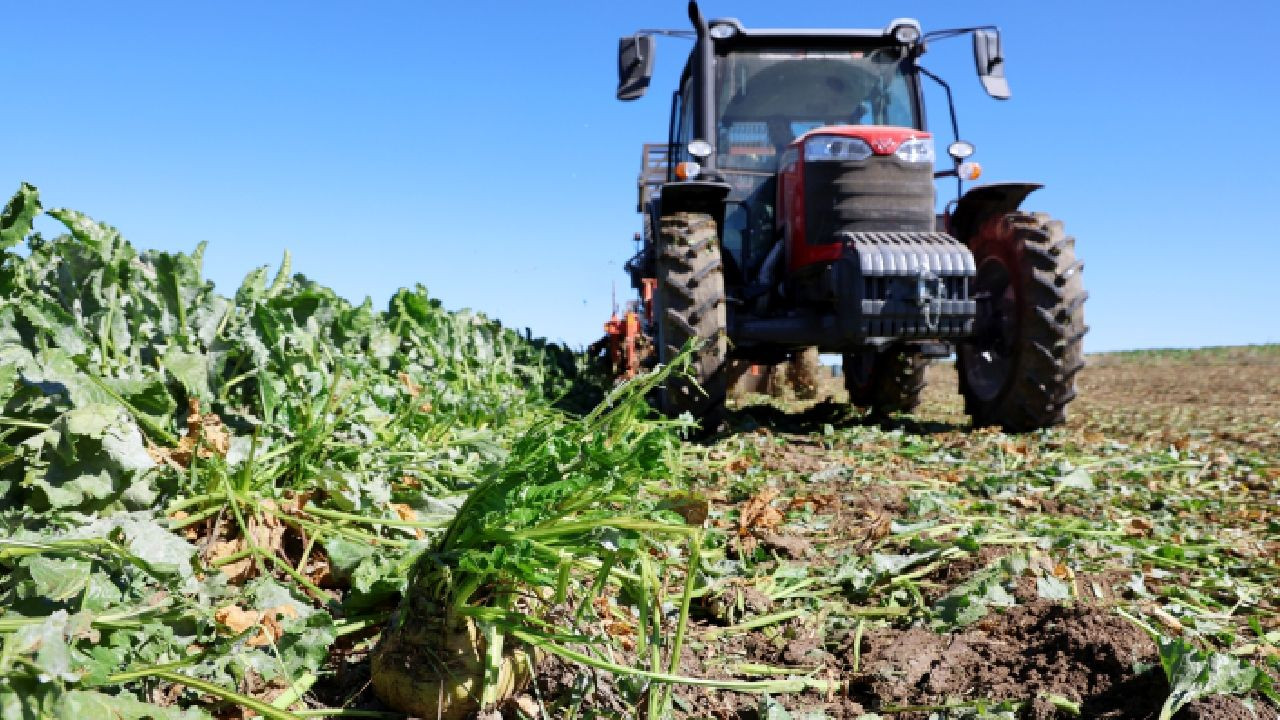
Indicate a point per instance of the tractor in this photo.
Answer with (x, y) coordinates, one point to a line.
(793, 206)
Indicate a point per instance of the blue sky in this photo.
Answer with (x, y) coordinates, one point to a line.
(477, 147)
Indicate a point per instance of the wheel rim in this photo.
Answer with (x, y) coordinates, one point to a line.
(988, 359)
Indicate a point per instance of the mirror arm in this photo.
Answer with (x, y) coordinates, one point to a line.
(951, 105)
(671, 136)
(686, 34)
(955, 129)
(954, 32)
(704, 101)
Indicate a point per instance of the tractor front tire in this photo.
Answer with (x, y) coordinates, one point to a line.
(1019, 371)
(690, 304)
(885, 382)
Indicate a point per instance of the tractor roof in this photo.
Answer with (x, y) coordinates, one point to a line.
(735, 29)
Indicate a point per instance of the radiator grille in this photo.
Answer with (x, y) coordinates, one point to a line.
(879, 194)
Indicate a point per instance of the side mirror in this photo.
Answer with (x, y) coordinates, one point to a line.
(990, 61)
(635, 66)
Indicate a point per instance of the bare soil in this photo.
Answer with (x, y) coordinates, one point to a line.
(1227, 397)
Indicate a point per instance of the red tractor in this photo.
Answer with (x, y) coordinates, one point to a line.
(793, 206)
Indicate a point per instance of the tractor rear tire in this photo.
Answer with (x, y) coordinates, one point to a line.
(885, 382)
(690, 305)
(1019, 373)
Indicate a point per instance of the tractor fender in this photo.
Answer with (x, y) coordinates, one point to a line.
(983, 201)
(694, 196)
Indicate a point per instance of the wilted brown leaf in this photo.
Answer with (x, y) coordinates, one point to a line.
(790, 546)
(618, 628)
(758, 513)
(267, 529)
(237, 571)
(294, 501)
(237, 620)
(411, 387)
(528, 706)
(825, 502)
(189, 532)
(319, 571)
(408, 514)
(1138, 527)
(693, 508)
(873, 529)
(206, 436)
(1169, 622)
(1010, 447)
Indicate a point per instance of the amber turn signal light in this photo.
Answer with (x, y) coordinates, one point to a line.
(687, 170)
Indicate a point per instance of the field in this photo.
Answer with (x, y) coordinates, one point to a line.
(277, 503)
(930, 568)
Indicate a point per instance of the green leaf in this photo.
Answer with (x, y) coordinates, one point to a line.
(19, 213)
(90, 453)
(85, 229)
(306, 642)
(58, 579)
(1077, 479)
(83, 704)
(75, 493)
(267, 593)
(1194, 673)
(344, 555)
(970, 601)
(100, 593)
(282, 276)
(26, 698)
(56, 374)
(48, 642)
(771, 709)
(146, 397)
(892, 565)
(1052, 588)
(147, 540)
(191, 369)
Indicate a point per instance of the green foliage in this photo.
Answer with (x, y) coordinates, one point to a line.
(557, 495)
(1194, 673)
(133, 395)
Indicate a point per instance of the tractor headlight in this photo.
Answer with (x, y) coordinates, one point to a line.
(835, 148)
(700, 149)
(916, 150)
(722, 31)
(906, 34)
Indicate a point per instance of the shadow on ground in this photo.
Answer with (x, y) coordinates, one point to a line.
(816, 417)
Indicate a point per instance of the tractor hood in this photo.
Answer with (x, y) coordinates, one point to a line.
(881, 139)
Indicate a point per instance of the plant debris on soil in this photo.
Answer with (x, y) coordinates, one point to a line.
(220, 506)
(954, 572)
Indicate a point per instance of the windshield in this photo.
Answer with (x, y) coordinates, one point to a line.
(765, 99)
